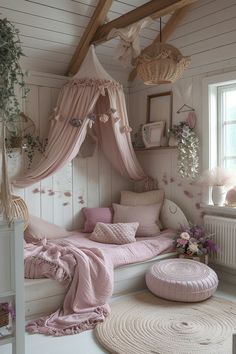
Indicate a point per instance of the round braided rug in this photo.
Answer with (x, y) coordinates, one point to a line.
(145, 324)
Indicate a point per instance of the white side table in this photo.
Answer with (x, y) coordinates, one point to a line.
(12, 281)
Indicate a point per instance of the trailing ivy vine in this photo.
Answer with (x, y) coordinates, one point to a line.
(188, 148)
(11, 74)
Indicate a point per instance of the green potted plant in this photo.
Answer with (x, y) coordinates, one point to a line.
(11, 77)
(32, 145)
(23, 135)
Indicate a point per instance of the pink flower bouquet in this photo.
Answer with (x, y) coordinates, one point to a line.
(194, 241)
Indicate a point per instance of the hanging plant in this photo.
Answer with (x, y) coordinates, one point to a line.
(11, 74)
(188, 147)
(32, 145)
(11, 77)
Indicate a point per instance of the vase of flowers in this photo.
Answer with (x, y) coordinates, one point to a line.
(194, 242)
(218, 195)
(220, 179)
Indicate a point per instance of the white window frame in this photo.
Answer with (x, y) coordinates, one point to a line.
(221, 114)
(210, 108)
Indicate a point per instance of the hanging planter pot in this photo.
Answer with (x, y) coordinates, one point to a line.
(16, 142)
(218, 195)
(12, 77)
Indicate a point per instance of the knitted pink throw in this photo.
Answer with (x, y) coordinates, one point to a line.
(90, 284)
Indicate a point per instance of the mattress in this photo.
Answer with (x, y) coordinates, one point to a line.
(130, 261)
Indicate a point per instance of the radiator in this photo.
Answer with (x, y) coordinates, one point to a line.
(224, 230)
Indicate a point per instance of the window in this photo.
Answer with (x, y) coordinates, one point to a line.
(219, 121)
(218, 124)
(226, 126)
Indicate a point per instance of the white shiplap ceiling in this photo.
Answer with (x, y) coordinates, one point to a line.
(50, 30)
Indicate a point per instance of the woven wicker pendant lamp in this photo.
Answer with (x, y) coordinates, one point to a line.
(161, 63)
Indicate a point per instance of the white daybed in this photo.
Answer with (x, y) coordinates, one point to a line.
(46, 295)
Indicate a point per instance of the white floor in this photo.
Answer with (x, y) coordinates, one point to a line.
(85, 343)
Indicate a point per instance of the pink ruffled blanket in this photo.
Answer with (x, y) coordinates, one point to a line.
(88, 268)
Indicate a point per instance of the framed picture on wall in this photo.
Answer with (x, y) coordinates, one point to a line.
(159, 108)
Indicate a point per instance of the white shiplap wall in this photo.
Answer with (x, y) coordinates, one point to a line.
(84, 182)
(50, 31)
(208, 34)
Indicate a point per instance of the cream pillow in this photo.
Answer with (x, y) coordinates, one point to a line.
(146, 215)
(119, 234)
(39, 229)
(145, 198)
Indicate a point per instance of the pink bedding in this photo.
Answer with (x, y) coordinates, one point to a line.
(87, 266)
(143, 249)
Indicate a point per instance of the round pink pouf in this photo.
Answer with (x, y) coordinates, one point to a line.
(181, 280)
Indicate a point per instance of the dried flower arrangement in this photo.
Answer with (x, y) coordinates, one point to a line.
(188, 146)
(193, 240)
(218, 176)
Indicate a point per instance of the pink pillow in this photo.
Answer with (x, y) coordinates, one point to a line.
(118, 234)
(39, 229)
(94, 215)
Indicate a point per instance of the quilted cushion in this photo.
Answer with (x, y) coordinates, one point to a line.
(147, 216)
(119, 234)
(181, 280)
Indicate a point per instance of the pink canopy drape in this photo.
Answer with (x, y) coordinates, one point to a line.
(79, 98)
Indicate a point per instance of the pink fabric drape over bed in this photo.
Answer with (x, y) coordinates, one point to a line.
(77, 99)
(115, 143)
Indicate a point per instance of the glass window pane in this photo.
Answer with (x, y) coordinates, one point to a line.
(231, 164)
(230, 105)
(230, 140)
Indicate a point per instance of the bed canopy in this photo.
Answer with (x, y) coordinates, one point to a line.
(92, 99)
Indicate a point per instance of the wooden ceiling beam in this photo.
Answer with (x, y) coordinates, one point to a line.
(153, 8)
(166, 32)
(95, 22)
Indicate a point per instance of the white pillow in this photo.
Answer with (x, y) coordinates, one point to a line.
(145, 198)
(39, 229)
(146, 215)
(119, 234)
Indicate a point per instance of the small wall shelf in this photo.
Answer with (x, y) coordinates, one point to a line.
(156, 148)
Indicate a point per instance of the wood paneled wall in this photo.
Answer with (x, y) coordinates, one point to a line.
(207, 33)
(83, 182)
